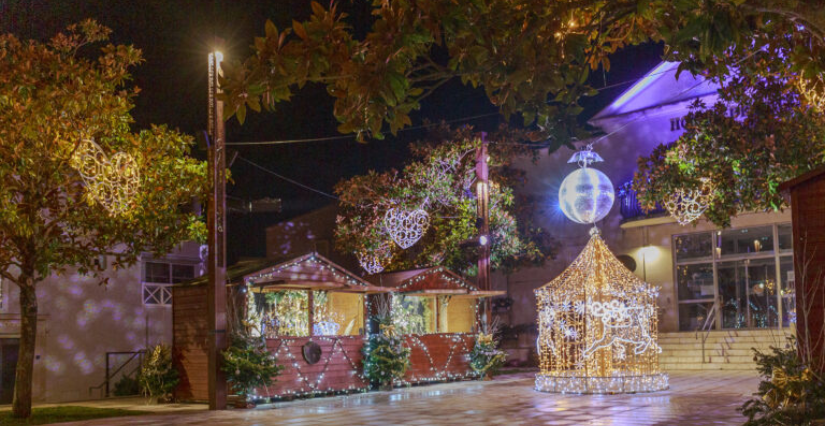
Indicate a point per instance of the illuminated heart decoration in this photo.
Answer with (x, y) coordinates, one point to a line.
(111, 182)
(406, 227)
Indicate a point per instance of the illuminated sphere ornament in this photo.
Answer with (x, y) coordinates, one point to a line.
(598, 328)
(586, 195)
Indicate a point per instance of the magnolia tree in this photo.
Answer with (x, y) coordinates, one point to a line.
(531, 57)
(77, 183)
(768, 126)
(441, 183)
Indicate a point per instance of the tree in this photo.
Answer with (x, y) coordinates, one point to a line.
(441, 181)
(54, 98)
(531, 57)
(768, 126)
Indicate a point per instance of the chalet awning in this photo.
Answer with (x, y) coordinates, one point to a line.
(453, 293)
(310, 272)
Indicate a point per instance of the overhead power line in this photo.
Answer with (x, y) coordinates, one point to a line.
(280, 176)
(419, 127)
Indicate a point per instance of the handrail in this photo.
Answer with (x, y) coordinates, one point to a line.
(105, 386)
(706, 328)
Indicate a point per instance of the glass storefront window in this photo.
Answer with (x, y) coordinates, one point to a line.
(749, 291)
(745, 241)
(695, 281)
(785, 238)
(787, 290)
(693, 246)
(692, 316)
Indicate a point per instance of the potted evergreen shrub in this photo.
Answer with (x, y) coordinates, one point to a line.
(486, 357)
(157, 377)
(385, 357)
(249, 365)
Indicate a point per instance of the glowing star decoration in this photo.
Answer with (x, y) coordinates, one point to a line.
(688, 205)
(375, 261)
(113, 182)
(406, 227)
(586, 195)
(598, 328)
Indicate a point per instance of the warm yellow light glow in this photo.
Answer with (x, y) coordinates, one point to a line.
(650, 253)
(113, 182)
(598, 328)
(219, 55)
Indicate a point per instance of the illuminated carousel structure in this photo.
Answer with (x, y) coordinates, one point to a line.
(598, 328)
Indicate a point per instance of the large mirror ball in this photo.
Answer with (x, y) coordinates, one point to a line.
(586, 195)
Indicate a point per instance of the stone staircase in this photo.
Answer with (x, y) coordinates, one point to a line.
(724, 350)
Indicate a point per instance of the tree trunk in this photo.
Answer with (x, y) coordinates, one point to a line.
(22, 404)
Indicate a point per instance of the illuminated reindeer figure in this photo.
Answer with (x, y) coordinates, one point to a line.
(622, 324)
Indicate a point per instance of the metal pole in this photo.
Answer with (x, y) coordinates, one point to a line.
(483, 213)
(216, 224)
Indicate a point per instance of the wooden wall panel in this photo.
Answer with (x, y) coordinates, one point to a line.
(439, 357)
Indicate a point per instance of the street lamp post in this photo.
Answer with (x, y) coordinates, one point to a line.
(216, 224)
(483, 216)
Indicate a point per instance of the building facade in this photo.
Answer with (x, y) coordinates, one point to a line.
(746, 271)
(83, 326)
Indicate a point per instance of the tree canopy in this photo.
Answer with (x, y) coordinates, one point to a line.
(441, 180)
(767, 126)
(55, 98)
(531, 57)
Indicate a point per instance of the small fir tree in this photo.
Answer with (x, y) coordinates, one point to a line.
(249, 365)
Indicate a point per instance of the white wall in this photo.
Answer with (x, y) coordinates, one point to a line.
(80, 320)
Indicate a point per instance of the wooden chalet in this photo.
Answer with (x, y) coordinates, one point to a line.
(311, 312)
(437, 312)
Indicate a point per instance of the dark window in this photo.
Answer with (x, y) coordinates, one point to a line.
(155, 272)
(181, 273)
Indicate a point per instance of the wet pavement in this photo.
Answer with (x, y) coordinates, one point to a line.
(694, 398)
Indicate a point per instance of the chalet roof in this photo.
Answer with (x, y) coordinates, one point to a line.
(788, 185)
(658, 87)
(310, 271)
(435, 281)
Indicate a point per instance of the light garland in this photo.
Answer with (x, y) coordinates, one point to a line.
(111, 182)
(459, 343)
(598, 328)
(406, 227)
(812, 91)
(376, 260)
(688, 205)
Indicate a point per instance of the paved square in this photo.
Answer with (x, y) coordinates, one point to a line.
(694, 398)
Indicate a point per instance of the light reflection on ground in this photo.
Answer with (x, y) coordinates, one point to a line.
(695, 399)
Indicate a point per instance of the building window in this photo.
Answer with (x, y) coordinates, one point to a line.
(747, 273)
(158, 278)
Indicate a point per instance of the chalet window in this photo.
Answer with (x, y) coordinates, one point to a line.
(433, 314)
(286, 313)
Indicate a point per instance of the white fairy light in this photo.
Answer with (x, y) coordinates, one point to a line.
(589, 317)
(376, 260)
(688, 205)
(406, 227)
(111, 182)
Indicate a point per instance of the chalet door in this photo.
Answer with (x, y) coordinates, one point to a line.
(8, 365)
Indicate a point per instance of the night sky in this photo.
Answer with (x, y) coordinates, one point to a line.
(175, 37)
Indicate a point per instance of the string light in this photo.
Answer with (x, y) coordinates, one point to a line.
(688, 205)
(406, 227)
(376, 260)
(598, 328)
(111, 182)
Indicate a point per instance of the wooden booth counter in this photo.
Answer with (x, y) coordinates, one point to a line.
(437, 313)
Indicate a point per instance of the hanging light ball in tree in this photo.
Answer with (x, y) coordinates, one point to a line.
(586, 195)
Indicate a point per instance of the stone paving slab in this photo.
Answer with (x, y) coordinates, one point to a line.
(694, 399)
